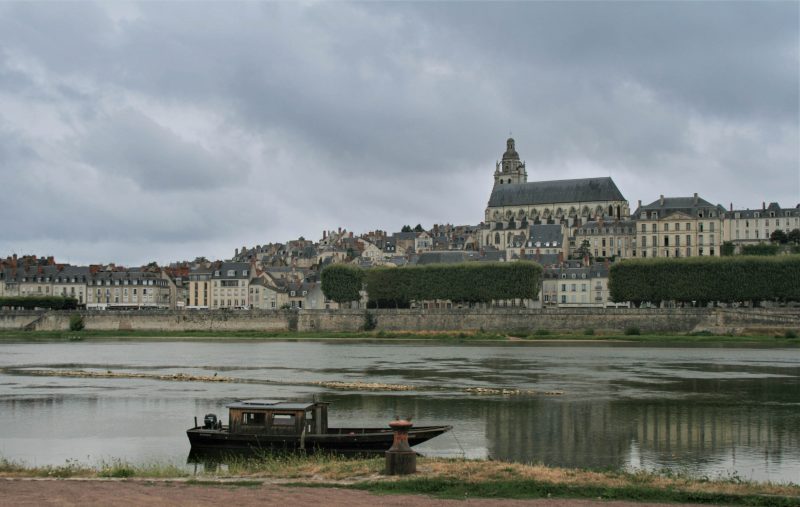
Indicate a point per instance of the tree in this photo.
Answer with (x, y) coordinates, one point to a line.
(76, 322)
(794, 236)
(406, 228)
(778, 236)
(342, 282)
(583, 250)
(727, 249)
(419, 228)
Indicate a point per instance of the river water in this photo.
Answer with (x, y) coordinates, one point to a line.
(708, 412)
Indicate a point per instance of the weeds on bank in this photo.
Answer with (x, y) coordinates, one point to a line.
(73, 468)
(298, 466)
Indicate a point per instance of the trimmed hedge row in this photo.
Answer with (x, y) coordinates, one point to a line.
(705, 279)
(29, 303)
(466, 282)
(342, 282)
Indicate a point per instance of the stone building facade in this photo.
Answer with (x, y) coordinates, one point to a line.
(679, 227)
(748, 227)
(515, 203)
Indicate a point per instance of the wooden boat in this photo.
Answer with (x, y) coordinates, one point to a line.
(288, 426)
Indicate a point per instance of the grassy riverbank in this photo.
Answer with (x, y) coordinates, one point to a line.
(443, 478)
(519, 337)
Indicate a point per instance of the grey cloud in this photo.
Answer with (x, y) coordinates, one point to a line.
(377, 114)
(131, 145)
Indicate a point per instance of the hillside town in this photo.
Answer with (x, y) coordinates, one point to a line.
(575, 229)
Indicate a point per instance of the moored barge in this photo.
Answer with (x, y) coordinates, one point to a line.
(290, 426)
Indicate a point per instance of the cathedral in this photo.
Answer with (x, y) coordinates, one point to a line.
(516, 204)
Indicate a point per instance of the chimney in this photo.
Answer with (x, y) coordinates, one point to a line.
(695, 198)
(561, 257)
(236, 252)
(731, 206)
(324, 234)
(340, 230)
(661, 201)
(51, 260)
(607, 263)
(763, 205)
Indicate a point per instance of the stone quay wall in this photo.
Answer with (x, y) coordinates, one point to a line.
(671, 320)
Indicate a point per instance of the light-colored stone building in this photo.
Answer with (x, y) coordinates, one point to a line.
(128, 289)
(515, 203)
(230, 283)
(749, 227)
(199, 288)
(616, 239)
(575, 285)
(679, 227)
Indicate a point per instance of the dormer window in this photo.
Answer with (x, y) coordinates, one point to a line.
(231, 272)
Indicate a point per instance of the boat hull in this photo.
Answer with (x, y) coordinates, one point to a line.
(344, 440)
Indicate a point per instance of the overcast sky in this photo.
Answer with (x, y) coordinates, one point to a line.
(164, 131)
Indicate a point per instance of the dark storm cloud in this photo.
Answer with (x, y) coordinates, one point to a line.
(211, 125)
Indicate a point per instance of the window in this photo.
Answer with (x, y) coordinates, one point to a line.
(666, 227)
(253, 418)
(283, 419)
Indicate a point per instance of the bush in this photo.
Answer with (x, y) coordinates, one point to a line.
(471, 282)
(370, 321)
(704, 279)
(76, 322)
(632, 331)
(790, 334)
(542, 332)
(342, 282)
(761, 249)
(32, 302)
(588, 331)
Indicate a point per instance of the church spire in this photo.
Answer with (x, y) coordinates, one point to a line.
(511, 170)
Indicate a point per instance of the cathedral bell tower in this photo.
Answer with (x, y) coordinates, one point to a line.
(510, 170)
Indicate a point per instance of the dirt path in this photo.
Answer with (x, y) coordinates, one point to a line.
(71, 492)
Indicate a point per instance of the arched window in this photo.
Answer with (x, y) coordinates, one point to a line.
(496, 238)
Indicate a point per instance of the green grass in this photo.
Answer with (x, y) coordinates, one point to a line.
(589, 335)
(451, 488)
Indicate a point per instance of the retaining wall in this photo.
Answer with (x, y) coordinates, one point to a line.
(494, 319)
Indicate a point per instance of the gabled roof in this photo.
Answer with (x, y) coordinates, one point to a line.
(557, 191)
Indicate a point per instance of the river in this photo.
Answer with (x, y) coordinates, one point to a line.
(704, 411)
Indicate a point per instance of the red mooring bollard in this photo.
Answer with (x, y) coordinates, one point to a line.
(400, 459)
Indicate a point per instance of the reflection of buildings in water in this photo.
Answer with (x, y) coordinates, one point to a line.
(678, 432)
(576, 434)
(601, 434)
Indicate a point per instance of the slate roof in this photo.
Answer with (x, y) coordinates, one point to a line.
(237, 267)
(686, 205)
(557, 191)
(764, 213)
(546, 235)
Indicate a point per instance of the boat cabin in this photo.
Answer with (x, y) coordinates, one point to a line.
(270, 417)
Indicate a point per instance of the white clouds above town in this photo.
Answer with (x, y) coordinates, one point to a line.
(162, 131)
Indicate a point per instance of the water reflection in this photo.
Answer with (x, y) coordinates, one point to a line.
(705, 411)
